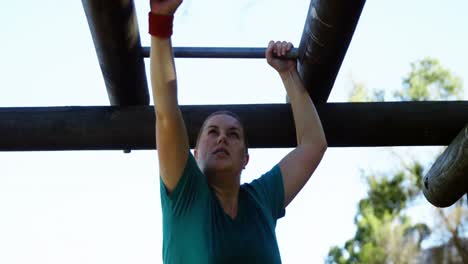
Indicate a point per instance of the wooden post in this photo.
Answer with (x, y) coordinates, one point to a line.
(267, 125)
(114, 29)
(447, 180)
(328, 30)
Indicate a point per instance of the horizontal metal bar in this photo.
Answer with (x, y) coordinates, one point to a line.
(266, 125)
(221, 52)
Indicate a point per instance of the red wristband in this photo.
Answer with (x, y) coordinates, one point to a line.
(160, 25)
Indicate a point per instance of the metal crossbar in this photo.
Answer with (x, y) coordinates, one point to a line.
(221, 52)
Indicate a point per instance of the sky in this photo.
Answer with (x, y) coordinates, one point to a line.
(104, 207)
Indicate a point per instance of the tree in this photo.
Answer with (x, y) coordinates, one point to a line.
(428, 80)
(384, 233)
(453, 227)
(361, 94)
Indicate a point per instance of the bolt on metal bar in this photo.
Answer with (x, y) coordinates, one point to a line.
(220, 53)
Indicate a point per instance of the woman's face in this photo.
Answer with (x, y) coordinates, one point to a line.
(221, 146)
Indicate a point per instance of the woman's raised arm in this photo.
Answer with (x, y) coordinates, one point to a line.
(299, 164)
(171, 134)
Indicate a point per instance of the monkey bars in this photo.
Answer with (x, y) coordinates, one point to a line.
(328, 30)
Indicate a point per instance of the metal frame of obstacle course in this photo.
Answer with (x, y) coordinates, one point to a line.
(328, 30)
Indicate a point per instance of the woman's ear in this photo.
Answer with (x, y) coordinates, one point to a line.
(246, 159)
(195, 153)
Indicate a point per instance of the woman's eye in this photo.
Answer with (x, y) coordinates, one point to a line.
(235, 135)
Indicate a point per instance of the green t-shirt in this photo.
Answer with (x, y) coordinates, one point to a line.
(197, 230)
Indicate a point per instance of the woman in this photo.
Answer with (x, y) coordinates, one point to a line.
(208, 217)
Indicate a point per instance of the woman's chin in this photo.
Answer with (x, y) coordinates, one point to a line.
(220, 165)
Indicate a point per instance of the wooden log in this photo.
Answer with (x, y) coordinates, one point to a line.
(267, 125)
(114, 28)
(447, 180)
(221, 53)
(328, 30)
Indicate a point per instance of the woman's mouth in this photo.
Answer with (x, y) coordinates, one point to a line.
(221, 151)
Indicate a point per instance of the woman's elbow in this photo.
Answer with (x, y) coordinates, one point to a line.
(324, 145)
(322, 148)
(315, 150)
(318, 145)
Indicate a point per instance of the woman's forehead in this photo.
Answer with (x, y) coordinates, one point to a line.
(223, 121)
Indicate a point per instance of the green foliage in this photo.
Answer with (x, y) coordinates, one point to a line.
(361, 94)
(384, 234)
(335, 255)
(428, 80)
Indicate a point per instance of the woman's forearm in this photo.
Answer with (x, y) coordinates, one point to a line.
(306, 119)
(163, 75)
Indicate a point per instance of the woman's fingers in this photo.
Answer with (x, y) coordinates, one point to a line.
(286, 47)
(269, 50)
(275, 55)
(278, 48)
(270, 46)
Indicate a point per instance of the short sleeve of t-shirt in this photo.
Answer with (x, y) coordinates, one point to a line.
(191, 188)
(269, 190)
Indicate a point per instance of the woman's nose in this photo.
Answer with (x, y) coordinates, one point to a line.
(222, 138)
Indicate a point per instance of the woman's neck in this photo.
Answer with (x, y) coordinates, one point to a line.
(228, 195)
